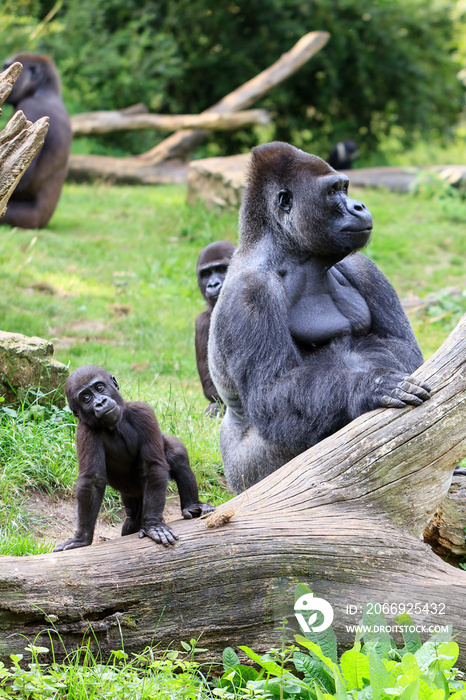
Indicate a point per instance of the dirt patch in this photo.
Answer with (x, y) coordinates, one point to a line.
(55, 520)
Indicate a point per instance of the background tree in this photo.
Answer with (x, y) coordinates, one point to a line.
(388, 62)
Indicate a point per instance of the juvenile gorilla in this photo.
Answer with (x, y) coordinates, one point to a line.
(120, 443)
(211, 269)
(307, 334)
(37, 93)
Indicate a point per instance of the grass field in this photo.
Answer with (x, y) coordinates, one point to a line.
(112, 282)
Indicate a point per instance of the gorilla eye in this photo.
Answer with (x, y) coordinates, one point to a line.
(285, 200)
(332, 192)
(85, 398)
(100, 387)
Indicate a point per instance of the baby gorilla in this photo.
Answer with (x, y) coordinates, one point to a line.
(120, 443)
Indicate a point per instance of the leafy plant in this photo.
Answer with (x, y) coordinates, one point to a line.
(374, 669)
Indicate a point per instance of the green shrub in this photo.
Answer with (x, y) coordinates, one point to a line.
(374, 670)
(387, 63)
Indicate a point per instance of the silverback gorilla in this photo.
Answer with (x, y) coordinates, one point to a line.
(211, 269)
(307, 334)
(120, 443)
(37, 93)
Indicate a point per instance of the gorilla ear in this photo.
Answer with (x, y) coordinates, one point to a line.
(115, 382)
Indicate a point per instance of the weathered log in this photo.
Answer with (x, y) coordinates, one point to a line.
(131, 171)
(346, 517)
(181, 144)
(20, 140)
(161, 164)
(447, 530)
(106, 122)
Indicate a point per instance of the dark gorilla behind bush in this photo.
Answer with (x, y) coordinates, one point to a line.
(37, 92)
(307, 334)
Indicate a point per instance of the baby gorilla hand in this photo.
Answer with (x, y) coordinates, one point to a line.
(195, 510)
(397, 390)
(160, 533)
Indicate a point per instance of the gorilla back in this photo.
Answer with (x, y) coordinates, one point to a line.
(37, 93)
(307, 333)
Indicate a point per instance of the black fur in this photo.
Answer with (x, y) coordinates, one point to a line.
(120, 443)
(343, 154)
(211, 269)
(307, 334)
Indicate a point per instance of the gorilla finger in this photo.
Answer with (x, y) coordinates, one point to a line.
(421, 387)
(164, 536)
(408, 398)
(415, 389)
(391, 402)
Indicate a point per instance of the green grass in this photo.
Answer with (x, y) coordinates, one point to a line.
(112, 282)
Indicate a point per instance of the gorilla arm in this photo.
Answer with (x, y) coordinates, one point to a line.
(201, 338)
(294, 399)
(90, 487)
(388, 320)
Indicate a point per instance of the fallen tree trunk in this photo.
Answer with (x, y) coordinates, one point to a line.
(166, 162)
(179, 145)
(106, 122)
(346, 517)
(20, 140)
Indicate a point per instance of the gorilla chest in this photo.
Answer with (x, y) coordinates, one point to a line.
(323, 307)
(121, 460)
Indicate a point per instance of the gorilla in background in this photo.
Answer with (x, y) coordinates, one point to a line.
(307, 334)
(343, 154)
(211, 269)
(37, 93)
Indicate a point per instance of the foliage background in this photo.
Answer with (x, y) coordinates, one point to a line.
(389, 63)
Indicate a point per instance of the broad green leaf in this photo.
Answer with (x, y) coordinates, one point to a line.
(307, 644)
(447, 654)
(300, 590)
(238, 676)
(411, 638)
(340, 686)
(319, 693)
(269, 666)
(375, 620)
(411, 692)
(459, 695)
(314, 670)
(428, 693)
(441, 682)
(325, 639)
(410, 666)
(379, 676)
(354, 667)
(229, 658)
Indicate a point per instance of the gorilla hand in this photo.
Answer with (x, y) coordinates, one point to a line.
(160, 533)
(196, 510)
(394, 390)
